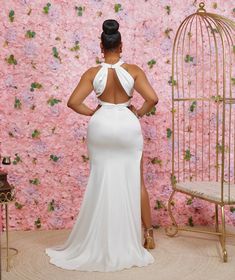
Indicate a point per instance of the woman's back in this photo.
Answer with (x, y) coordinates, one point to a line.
(117, 86)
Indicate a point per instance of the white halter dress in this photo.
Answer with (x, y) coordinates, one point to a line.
(107, 235)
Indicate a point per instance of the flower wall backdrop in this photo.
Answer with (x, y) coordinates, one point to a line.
(45, 47)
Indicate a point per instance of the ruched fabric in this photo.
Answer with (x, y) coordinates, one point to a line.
(124, 77)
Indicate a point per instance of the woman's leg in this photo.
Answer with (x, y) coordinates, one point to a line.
(146, 214)
(145, 205)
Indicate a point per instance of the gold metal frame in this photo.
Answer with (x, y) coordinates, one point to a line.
(210, 37)
(7, 198)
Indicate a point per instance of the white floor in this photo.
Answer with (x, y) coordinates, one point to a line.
(187, 256)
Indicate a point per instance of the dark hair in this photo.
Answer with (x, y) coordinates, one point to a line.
(110, 37)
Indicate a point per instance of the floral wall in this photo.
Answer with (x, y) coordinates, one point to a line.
(45, 47)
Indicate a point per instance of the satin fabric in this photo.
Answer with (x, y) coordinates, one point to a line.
(107, 234)
(124, 77)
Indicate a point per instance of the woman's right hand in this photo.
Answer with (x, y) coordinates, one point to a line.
(97, 107)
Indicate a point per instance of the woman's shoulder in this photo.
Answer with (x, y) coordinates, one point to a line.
(133, 69)
(91, 72)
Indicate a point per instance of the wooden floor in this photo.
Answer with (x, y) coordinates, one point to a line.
(184, 257)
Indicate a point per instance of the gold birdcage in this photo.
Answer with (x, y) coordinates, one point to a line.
(203, 116)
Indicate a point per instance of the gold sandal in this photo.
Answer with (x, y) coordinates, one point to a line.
(149, 240)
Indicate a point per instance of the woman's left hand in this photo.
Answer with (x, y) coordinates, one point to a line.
(133, 109)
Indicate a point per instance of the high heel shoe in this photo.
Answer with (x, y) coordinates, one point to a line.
(149, 239)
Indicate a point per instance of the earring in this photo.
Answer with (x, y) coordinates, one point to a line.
(102, 52)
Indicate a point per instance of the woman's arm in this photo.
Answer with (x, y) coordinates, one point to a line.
(82, 90)
(143, 87)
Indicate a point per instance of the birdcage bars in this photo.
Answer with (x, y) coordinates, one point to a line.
(203, 133)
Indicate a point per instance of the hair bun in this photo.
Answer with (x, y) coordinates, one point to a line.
(110, 26)
(110, 37)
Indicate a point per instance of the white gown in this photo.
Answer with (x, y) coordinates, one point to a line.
(107, 235)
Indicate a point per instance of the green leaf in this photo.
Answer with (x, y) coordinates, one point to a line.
(11, 15)
(17, 104)
(51, 205)
(80, 10)
(54, 158)
(156, 160)
(193, 106)
(172, 203)
(35, 85)
(188, 58)
(97, 60)
(53, 101)
(17, 159)
(117, 8)
(233, 81)
(75, 48)
(55, 52)
(168, 133)
(172, 82)
(173, 180)
(151, 63)
(46, 8)
(187, 155)
(217, 98)
(213, 30)
(167, 32)
(11, 60)
(189, 201)
(168, 9)
(34, 181)
(190, 34)
(30, 34)
(219, 148)
(190, 221)
(36, 133)
(159, 205)
(18, 205)
(232, 209)
(38, 223)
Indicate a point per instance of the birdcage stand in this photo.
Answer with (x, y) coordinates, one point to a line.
(203, 117)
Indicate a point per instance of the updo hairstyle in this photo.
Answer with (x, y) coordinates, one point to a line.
(110, 37)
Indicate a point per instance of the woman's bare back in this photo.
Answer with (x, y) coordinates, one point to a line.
(114, 92)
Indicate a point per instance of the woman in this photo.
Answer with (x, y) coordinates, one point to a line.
(107, 233)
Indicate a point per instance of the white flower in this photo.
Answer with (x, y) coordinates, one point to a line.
(30, 48)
